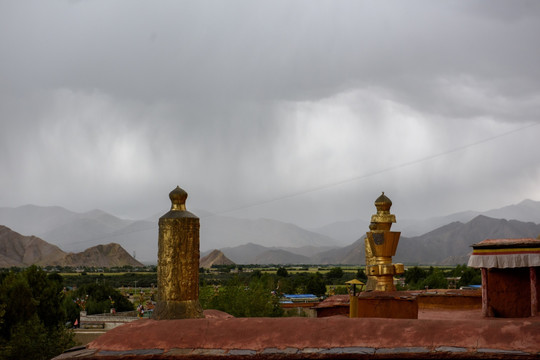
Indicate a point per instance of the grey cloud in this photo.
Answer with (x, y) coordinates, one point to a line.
(242, 103)
(276, 50)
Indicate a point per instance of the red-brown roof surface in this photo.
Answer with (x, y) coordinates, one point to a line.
(334, 300)
(436, 334)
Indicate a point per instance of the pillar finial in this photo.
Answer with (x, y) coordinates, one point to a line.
(178, 199)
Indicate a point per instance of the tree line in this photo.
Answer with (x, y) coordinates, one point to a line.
(417, 278)
(37, 312)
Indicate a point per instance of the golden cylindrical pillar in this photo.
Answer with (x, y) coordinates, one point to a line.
(178, 262)
(353, 306)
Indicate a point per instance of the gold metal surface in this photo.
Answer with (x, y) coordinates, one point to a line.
(383, 221)
(370, 261)
(353, 306)
(381, 244)
(354, 282)
(178, 262)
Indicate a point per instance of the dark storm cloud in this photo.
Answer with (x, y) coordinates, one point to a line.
(189, 51)
(244, 102)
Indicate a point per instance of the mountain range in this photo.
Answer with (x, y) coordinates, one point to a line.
(77, 231)
(447, 245)
(346, 232)
(20, 250)
(451, 244)
(438, 240)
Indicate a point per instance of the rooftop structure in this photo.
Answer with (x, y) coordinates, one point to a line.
(510, 269)
(299, 298)
(401, 304)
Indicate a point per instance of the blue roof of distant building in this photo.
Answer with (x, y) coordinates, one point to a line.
(299, 296)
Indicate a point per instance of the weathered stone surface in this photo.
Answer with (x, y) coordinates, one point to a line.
(131, 352)
(209, 352)
(499, 351)
(403, 350)
(242, 352)
(350, 350)
(279, 351)
(451, 349)
(176, 351)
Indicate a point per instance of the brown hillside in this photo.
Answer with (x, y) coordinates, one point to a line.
(216, 257)
(20, 250)
(109, 255)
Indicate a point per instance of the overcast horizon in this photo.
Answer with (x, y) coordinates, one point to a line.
(299, 111)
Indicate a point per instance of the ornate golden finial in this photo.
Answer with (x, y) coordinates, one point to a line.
(383, 203)
(178, 199)
(380, 246)
(383, 219)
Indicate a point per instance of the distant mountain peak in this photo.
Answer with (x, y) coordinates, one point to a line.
(108, 255)
(96, 212)
(528, 202)
(482, 217)
(216, 257)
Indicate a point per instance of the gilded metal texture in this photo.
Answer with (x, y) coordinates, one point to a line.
(353, 306)
(178, 262)
(370, 261)
(381, 245)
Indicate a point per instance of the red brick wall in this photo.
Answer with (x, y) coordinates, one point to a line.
(388, 308)
(333, 311)
(509, 292)
(461, 302)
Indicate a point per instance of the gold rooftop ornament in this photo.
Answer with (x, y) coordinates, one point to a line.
(381, 245)
(353, 299)
(178, 262)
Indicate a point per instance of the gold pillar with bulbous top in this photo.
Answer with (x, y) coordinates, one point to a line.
(178, 262)
(381, 245)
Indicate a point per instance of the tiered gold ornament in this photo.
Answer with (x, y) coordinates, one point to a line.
(381, 245)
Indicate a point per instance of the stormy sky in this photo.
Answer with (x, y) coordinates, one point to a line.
(301, 111)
